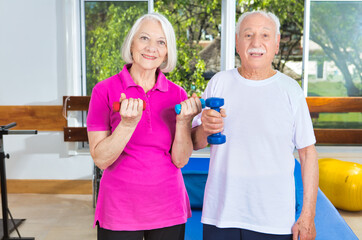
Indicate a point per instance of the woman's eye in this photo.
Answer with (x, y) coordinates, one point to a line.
(143, 38)
(162, 43)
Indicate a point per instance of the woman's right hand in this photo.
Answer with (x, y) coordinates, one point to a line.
(131, 111)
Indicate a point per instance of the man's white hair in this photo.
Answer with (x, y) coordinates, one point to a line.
(167, 28)
(264, 13)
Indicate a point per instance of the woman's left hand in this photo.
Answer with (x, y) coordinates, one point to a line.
(189, 109)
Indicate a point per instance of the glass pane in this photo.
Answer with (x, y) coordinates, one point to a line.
(351, 120)
(335, 66)
(197, 28)
(106, 25)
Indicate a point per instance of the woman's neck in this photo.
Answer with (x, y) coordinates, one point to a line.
(144, 78)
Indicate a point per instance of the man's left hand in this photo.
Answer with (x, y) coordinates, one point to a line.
(304, 228)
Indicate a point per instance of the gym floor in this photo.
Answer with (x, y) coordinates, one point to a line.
(62, 216)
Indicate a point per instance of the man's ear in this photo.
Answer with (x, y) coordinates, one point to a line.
(236, 42)
(278, 43)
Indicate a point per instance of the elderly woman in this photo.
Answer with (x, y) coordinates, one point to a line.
(142, 148)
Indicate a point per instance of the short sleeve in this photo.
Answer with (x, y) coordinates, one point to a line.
(98, 118)
(207, 93)
(303, 127)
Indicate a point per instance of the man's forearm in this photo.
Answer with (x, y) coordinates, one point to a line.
(310, 176)
(199, 138)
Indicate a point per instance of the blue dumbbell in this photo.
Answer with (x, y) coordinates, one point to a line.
(178, 106)
(213, 103)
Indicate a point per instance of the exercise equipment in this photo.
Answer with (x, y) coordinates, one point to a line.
(341, 182)
(178, 106)
(4, 130)
(215, 104)
(117, 106)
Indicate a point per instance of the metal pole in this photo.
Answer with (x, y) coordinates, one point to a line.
(4, 199)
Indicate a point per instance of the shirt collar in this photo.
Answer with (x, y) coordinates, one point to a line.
(161, 83)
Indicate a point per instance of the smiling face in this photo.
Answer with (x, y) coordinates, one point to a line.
(257, 43)
(149, 46)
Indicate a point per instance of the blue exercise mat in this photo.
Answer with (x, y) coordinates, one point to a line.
(196, 165)
(194, 226)
(329, 223)
(195, 176)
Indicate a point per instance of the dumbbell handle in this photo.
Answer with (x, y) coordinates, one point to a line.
(117, 106)
(178, 106)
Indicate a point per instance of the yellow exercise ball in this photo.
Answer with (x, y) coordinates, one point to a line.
(341, 182)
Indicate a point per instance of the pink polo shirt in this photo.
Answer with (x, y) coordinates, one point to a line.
(142, 189)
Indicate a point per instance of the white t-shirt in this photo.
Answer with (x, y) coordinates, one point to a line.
(251, 182)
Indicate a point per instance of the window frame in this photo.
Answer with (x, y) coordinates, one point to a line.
(83, 34)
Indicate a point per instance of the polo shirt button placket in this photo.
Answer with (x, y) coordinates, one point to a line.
(149, 122)
(148, 109)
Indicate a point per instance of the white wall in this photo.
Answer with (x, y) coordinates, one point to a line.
(39, 64)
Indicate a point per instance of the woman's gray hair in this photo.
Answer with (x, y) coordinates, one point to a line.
(266, 14)
(167, 28)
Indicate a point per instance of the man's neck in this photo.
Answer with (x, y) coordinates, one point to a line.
(253, 74)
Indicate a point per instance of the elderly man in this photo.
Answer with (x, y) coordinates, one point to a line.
(250, 190)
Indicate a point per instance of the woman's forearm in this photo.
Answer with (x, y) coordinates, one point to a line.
(182, 145)
(105, 148)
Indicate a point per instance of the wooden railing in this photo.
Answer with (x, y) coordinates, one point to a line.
(336, 105)
(41, 118)
(50, 118)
